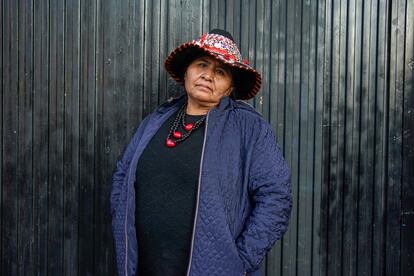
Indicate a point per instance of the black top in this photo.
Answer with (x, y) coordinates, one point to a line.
(166, 191)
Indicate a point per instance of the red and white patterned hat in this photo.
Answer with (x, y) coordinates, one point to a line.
(220, 45)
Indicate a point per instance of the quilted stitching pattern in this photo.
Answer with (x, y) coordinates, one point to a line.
(244, 203)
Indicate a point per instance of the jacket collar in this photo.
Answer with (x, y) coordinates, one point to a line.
(171, 103)
(225, 102)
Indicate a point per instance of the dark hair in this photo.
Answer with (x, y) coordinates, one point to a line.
(222, 32)
(190, 60)
(235, 83)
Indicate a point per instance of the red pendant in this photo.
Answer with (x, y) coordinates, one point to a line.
(188, 127)
(177, 134)
(170, 143)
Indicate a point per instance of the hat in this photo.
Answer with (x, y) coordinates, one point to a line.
(220, 45)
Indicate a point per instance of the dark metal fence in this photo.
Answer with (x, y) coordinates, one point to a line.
(78, 76)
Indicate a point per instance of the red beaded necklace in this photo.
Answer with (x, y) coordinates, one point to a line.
(174, 136)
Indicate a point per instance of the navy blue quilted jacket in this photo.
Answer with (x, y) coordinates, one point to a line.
(244, 196)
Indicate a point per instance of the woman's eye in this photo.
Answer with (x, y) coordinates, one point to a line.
(202, 64)
(220, 72)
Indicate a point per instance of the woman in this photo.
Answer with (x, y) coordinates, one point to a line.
(202, 189)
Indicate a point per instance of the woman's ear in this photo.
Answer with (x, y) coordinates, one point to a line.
(230, 91)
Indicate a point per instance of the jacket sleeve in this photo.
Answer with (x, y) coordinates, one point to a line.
(270, 192)
(118, 179)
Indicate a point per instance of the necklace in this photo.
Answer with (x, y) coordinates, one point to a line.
(174, 136)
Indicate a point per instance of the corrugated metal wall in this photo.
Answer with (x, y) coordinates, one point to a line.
(78, 76)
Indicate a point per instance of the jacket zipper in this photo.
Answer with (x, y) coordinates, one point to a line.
(198, 197)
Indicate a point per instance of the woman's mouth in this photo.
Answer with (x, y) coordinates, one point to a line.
(204, 87)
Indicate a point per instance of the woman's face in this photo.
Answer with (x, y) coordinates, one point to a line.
(207, 80)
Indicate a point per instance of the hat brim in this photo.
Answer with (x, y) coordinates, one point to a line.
(248, 80)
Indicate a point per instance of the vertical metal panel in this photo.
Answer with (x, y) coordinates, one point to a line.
(86, 135)
(381, 128)
(10, 123)
(394, 117)
(40, 142)
(55, 175)
(310, 103)
(25, 132)
(277, 101)
(78, 76)
(318, 216)
(291, 130)
(102, 149)
(110, 94)
(71, 137)
(407, 206)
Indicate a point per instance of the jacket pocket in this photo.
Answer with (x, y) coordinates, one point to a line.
(237, 255)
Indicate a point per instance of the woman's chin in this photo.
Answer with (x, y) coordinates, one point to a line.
(203, 97)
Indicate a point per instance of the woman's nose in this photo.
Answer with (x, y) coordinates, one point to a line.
(207, 75)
